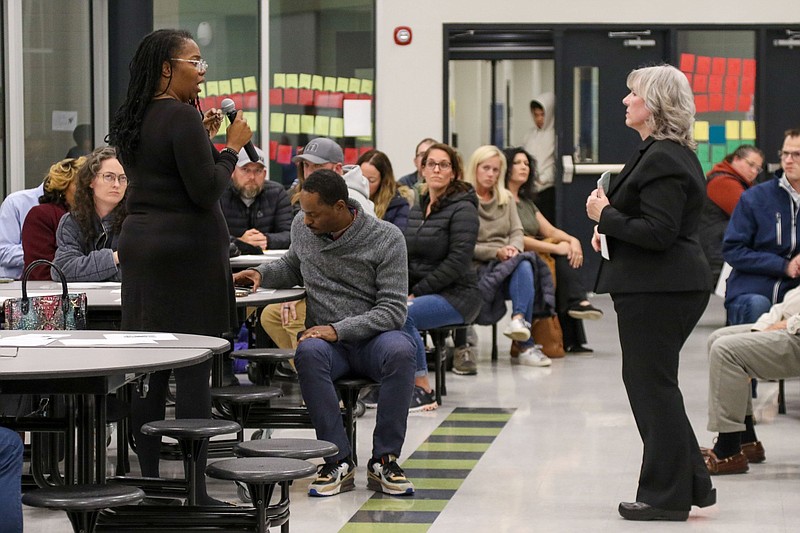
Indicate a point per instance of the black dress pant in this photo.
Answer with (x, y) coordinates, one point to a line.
(652, 330)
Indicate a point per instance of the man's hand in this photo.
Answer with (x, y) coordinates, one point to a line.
(288, 312)
(793, 268)
(253, 237)
(326, 333)
(777, 326)
(247, 277)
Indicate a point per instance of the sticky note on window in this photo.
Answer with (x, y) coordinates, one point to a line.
(357, 117)
(284, 155)
(316, 82)
(212, 88)
(703, 65)
(322, 125)
(716, 134)
(731, 129)
(748, 130)
(354, 86)
(225, 87)
(718, 152)
(276, 122)
(252, 119)
(330, 83)
(237, 85)
(307, 124)
(291, 81)
(701, 130)
(250, 83)
(304, 81)
(700, 103)
(366, 86)
(702, 152)
(687, 62)
(342, 84)
(278, 80)
(202, 93)
(732, 145)
(293, 124)
(337, 127)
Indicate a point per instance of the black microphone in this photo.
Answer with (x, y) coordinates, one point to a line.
(229, 108)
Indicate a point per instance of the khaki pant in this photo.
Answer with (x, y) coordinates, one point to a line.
(283, 336)
(736, 354)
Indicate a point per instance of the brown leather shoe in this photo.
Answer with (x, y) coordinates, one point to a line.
(735, 464)
(754, 452)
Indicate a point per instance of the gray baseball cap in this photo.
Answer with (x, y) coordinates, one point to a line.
(244, 158)
(321, 150)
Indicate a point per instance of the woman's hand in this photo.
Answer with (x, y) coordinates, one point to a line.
(561, 248)
(575, 254)
(595, 204)
(238, 132)
(596, 240)
(506, 252)
(212, 120)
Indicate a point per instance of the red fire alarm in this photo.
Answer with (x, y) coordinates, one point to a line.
(402, 35)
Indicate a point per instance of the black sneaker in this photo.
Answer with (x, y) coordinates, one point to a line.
(370, 398)
(333, 478)
(384, 475)
(422, 401)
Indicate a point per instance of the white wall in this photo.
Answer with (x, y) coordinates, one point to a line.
(409, 78)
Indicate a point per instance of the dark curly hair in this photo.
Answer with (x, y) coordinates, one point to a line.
(84, 210)
(527, 190)
(145, 69)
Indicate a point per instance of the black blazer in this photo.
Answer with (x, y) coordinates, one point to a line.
(652, 223)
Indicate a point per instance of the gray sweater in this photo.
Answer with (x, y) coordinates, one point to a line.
(82, 262)
(358, 283)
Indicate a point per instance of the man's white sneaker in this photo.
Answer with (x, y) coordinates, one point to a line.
(333, 478)
(518, 329)
(533, 356)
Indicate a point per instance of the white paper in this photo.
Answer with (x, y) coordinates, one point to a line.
(357, 118)
(604, 247)
(31, 339)
(106, 342)
(153, 336)
(722, 282)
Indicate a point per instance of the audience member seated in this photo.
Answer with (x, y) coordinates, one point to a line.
(504, 271)
(542, 237)
(354, 268)
(725, 184)
(412, 179)
(11, 449)
(13, 211)
(258, 211)
(760, 242)
(83, 141)
(767, 349)
(39, 229)
(87, 235)
(391, 202)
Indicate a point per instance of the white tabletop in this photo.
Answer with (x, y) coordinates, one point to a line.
(245, 261)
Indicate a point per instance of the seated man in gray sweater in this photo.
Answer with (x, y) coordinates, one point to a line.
(355, 272)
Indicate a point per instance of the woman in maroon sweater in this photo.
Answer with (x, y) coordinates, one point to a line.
(39, 228)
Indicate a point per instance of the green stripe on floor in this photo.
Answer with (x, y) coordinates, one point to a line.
(438, 478)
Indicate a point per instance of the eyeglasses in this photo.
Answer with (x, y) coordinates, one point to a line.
(782, 154)
(110, 177)
(751, 164)
(200, 65)
(443, 165)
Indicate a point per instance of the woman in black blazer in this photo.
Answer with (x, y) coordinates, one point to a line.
(659, 280)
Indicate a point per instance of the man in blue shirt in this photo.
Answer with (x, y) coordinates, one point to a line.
(13, 211)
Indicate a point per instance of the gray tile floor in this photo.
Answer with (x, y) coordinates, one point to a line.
(569, 454)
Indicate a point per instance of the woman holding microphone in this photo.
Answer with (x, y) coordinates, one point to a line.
(659, 280)
(173, 248)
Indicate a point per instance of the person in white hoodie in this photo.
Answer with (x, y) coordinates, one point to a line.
(540, 142)
(769, 349)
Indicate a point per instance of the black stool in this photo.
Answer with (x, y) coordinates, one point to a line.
(192, 435)
(260, 474)
(240, 399)
(83, 503)
(289, 448)
(266, 362)
(349, 389)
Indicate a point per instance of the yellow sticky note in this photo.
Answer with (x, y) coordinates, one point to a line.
(366, 86)
(279, 81)
(291, 81)
(223, 128)
(748, 130)
(731, 130)
(224, 87)
(276, 121)
(293, 124)
(212, 88)
(354, 86)
(316, 82)
(321, 125)
(342, 84)
(337, 127)
(304, 81)
(250, 83)
(202, 93)
(237, 86)
(701, 130)
(307, 124)
(330, 83)
(252, 119)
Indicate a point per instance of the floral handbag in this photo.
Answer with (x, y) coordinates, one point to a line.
(64, 311)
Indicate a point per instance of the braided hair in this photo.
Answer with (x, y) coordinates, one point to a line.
(145, 69)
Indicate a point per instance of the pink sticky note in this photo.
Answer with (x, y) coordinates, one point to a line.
(700, 84)
(273, 150)
(734, 66)
(284, 156)
(729, 104)
(290, 96)
(715, 84)
(748, 85)
(703, 65)
(749, 68)
(715, 102)
(350, 156)
(718, 66)
(701, 103)
(744, 102)
(687, 63)
(731, 84)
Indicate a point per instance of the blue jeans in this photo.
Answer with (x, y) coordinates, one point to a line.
(746, 308)
(387, 358)
(10, 481)
(519, 289)
(428, 312)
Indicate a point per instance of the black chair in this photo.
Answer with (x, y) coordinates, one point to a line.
(235, 401)
(83, 503)
(263, 362)
(349, 388)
